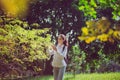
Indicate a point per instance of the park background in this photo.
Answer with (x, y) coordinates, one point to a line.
(28, 27)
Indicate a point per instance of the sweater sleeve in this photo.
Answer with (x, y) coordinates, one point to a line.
(63, 53)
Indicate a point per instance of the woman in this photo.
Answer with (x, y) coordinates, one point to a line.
(59, 54)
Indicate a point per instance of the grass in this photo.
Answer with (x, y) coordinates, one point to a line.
(93, 76)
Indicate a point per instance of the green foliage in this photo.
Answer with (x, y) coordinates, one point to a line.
(90, 7)
(102, 40)
(22, 47)
(78, 59)
(93, 59)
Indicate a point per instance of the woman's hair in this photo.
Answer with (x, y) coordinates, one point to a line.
(65, 42)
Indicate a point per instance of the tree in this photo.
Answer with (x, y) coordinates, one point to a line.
(59, 15)
(91, 7)
(13, 8)
(101, 35)
(63, 17)
(23, 50)
(100, 30)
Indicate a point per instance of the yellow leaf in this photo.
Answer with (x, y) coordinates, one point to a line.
(81, 38)
(110, 32)
(13, 8)
(90, 24)
(90, 39)
(84, 31)
(116, 34)
(103, 37)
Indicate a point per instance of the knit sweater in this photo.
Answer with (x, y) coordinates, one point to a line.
(58, 56)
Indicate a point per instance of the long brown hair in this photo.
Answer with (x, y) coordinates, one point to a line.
(64, 38)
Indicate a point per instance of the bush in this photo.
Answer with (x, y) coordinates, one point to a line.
(22, 50)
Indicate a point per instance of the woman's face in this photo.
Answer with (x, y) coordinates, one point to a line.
(60, 40)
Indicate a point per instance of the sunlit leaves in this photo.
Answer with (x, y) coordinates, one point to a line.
(3, 32)
(103, 37)
(110, 32)
(90, 39)
(36, 39)
(85, 31)
(116, 34)
(100, 30)
(90, 7)
(93, 3)
(21, 46)
(15, 8)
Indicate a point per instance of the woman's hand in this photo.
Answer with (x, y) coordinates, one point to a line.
(54, 47)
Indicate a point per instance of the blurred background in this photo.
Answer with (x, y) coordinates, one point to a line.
(28, 27)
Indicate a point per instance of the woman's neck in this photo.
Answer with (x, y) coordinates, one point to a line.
(60, 44)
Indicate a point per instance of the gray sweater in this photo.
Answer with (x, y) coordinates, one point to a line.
(58, 56)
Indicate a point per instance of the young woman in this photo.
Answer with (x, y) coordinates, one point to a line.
(59, 54)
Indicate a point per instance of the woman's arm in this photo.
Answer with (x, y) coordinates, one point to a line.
(50, 51)
(63, 53)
